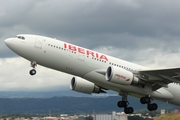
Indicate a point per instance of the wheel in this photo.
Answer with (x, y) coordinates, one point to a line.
(145, 100)
(149, 107)
(131, 110)
(119, 104)
(128, 110)
(122, 104)
(142, 100)
(152, 107)
(32, 72)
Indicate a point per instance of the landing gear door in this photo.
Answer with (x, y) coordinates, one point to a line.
(38, 43)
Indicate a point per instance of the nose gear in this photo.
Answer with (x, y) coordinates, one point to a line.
(33, 65)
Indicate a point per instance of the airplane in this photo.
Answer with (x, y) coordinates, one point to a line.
(95, 72)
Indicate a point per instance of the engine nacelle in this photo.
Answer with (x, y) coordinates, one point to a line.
(81, 85)
(120, 76)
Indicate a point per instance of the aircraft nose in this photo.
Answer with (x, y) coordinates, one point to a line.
(7, 42)
(11, 43)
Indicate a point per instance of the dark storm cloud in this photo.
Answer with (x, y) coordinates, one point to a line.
(132, 24)
(105, 23)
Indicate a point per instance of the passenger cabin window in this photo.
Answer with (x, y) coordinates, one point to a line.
(21, 37)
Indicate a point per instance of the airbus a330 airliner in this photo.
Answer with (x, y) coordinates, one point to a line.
(95, 72)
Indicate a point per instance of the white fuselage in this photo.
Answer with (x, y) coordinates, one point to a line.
(85, 63)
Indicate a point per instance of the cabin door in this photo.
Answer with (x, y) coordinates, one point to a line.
(38, 43)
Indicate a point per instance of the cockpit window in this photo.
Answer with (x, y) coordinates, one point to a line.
(21, 37)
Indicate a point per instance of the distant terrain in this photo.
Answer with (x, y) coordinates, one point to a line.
(69, 104)
(26, 94)
(66, 102)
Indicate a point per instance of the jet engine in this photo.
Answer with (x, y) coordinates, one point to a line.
(121, 76)
(81, 85)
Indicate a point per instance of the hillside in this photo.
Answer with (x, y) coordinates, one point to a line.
(168, 117)
(57, 105)
(69, 105)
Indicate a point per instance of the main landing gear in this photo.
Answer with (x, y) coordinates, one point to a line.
(33, 65)
(150, 106)
(144, 100)
(124, 104)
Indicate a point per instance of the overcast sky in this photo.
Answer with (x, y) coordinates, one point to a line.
(146, 32)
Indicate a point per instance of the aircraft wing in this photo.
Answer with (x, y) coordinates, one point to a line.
(160, 77)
